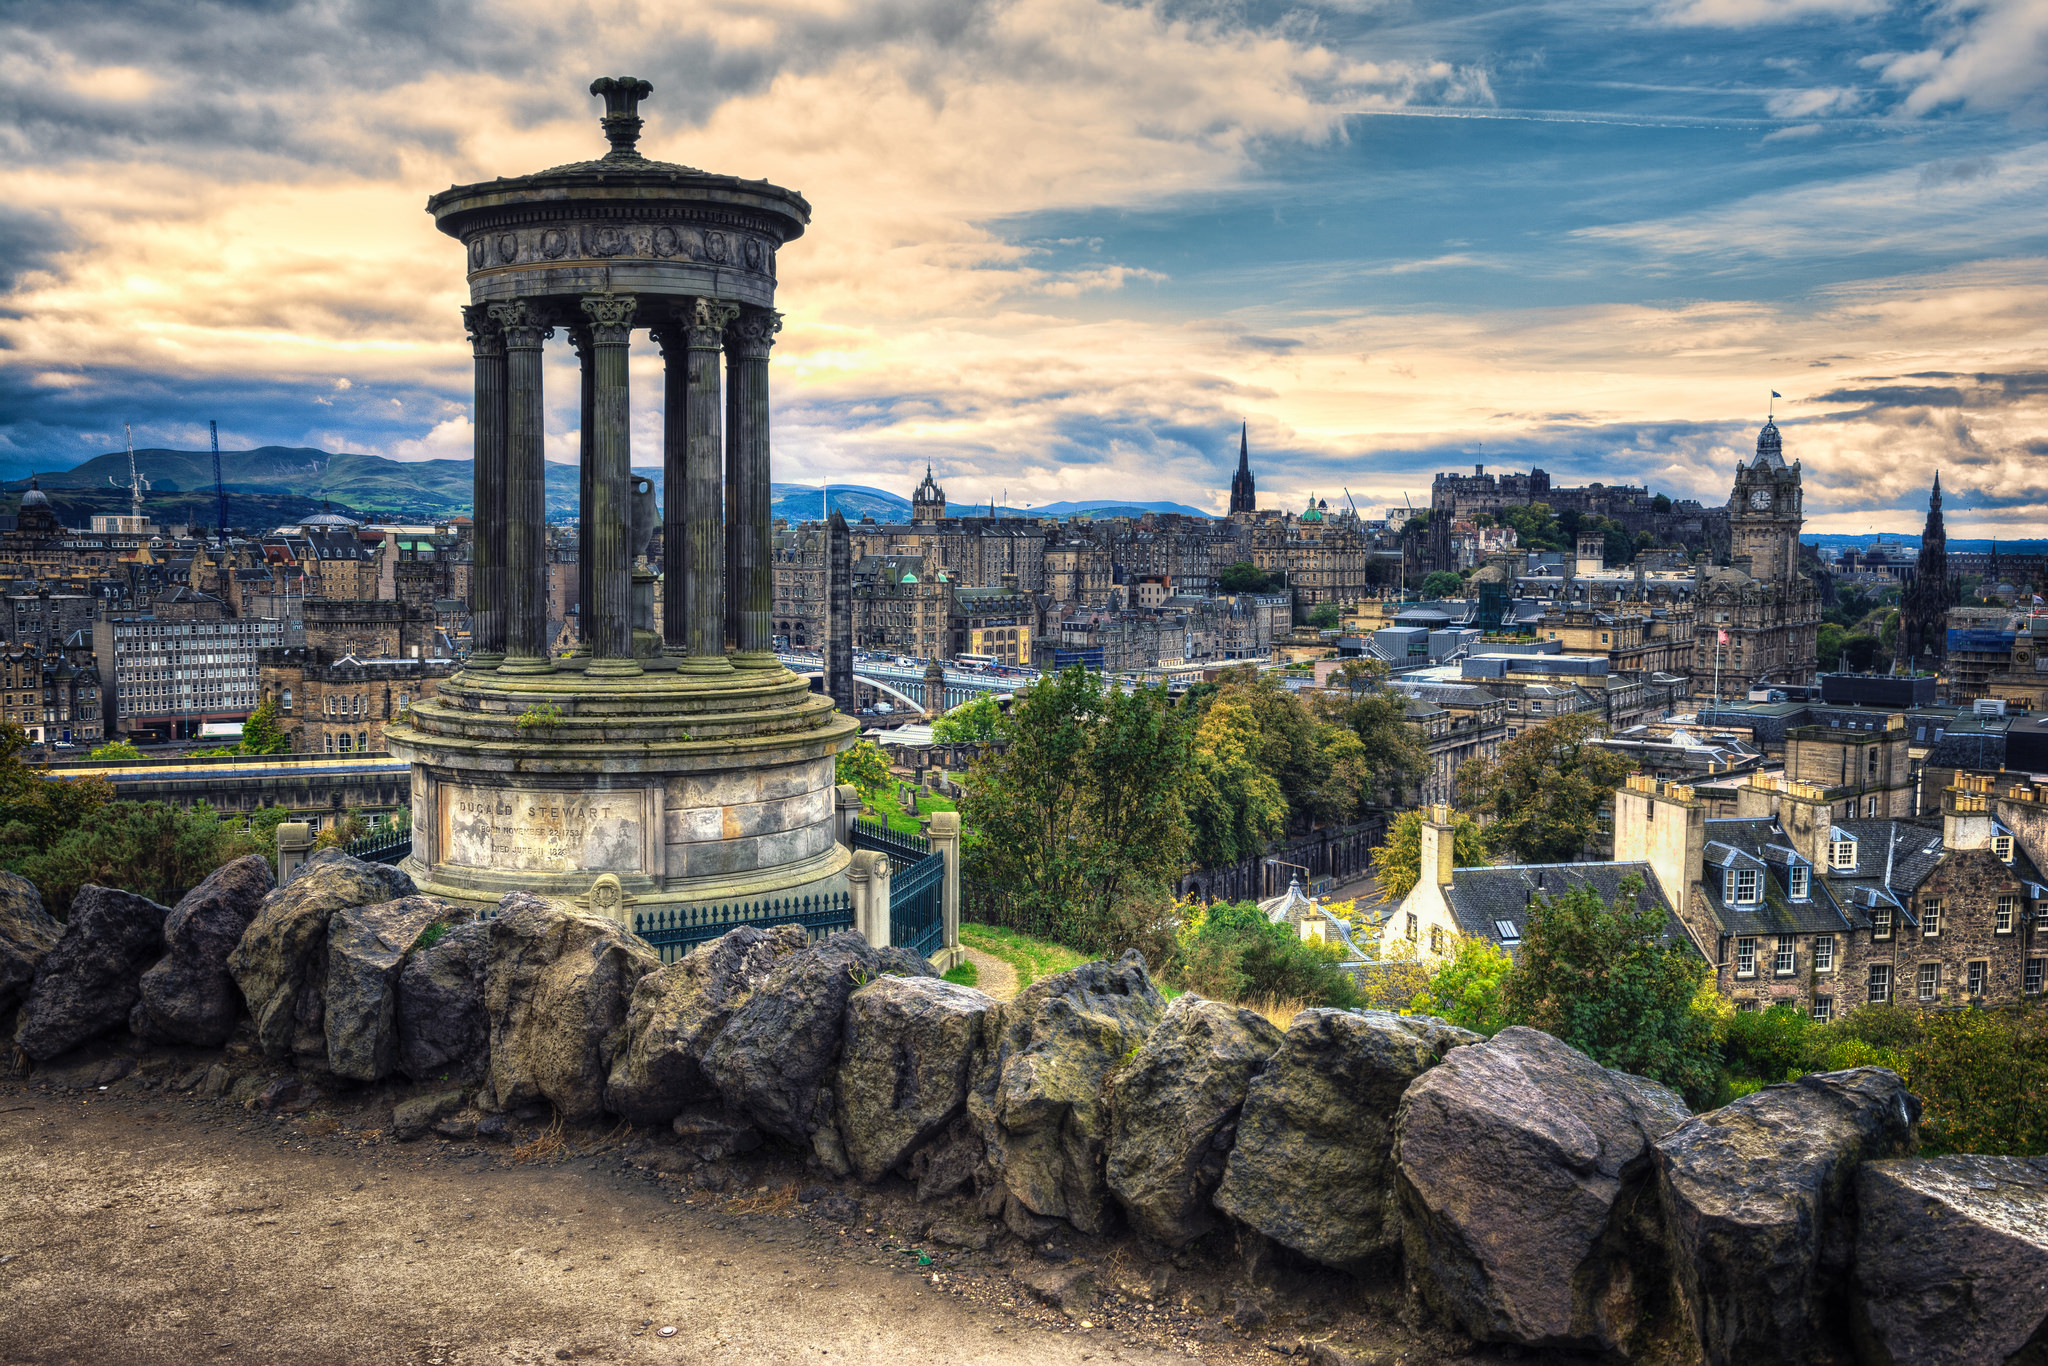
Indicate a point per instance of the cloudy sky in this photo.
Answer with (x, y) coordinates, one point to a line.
(1061, 248)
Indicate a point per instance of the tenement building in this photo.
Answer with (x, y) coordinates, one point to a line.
(163, 675)
(363, 663)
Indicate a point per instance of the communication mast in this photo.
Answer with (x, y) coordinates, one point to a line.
(220, 490)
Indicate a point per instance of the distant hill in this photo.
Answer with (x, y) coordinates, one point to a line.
(274, 484)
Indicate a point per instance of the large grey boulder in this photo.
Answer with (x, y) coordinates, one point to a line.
(88, 982)
(1173, 1114)
(555, 993)
(188, 997)
(1037, 1097)
(1525, 1171)
(676, 1012)
(280, 965)
(1756, 1197)
(904, 1065)
(775, 1054)
(27, 932)
(1312, 1166)
(366, 947)
(1952, 1259)
(443, 1032)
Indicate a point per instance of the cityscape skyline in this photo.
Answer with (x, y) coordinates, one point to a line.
(1393, 242)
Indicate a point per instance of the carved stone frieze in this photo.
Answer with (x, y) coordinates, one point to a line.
(726, 248)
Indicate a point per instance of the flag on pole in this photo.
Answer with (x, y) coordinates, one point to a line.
(1776, 394)
(1724, 637)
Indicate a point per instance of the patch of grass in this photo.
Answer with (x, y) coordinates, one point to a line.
(902, 821)
(1033, 958)
(964, 973)
(1281, 1013)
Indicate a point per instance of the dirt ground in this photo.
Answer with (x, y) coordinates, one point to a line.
(997, 978)
(140, 1224)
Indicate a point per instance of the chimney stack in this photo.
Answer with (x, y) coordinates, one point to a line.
(1439, 841)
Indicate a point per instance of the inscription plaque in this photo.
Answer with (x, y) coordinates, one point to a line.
(541, 832)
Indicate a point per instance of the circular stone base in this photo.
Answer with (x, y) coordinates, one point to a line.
(690, 787)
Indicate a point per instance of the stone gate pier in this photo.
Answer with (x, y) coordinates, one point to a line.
(678, 755)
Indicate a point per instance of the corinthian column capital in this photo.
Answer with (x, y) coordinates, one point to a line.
(753, 332)
(700, 324)
(524, 324)
(611, 317)
(486, 338)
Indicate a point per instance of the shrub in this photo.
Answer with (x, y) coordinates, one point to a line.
(1232, 952)
(150, 848)
(1471, 989)
(1982, 1077)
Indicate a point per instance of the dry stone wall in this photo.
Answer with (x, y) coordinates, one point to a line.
(1527, 1195)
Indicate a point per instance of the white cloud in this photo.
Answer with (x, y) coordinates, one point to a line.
(1756, 13)
(1991, 56)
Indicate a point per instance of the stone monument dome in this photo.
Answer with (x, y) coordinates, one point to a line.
(35, 497)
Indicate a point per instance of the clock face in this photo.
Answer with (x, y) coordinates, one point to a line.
(1760, 499)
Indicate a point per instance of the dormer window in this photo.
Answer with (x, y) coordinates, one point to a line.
(2001, 845)
(1741, 886)
(1841, 853)
(1801, 878)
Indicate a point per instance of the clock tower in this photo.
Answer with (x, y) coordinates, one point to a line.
(1764, 514)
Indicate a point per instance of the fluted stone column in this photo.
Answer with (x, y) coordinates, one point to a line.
(693, 520)
(608, 611)
(526, 570)
(750, 573)
(586, 428)
(487, 548)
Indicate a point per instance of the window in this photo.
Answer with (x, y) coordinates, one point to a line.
(1841, 853)
(1742, 886)
(1823, 953)
(1823, 1009)
(2001, 845)
(1745, 956)
(1880, 983)
(2003, 924)
(1880, 922)
(1436, 939)
(1802, 877)
(1870, 807)
(1509, 932)
(1412, 926)
(1973, 981)
(1781, 962)
(1930, 917)
(2032, 985)
(1930, 981)
(1745, 1006)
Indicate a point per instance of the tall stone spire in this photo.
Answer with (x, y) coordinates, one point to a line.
(1923, 615)
(1244, 495)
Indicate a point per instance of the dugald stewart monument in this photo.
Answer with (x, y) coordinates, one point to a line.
(679, 756)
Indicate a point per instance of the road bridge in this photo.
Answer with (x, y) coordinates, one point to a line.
(906, 681)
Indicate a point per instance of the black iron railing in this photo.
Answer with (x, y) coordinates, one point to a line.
(917, 905)
(382, 846)
(675, 930)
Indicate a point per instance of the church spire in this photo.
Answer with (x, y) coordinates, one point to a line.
(1243, 491)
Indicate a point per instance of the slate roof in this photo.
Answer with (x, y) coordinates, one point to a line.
(1761, 844)
(1491, 902)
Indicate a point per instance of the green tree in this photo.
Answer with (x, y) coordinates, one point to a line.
(1828, 646)
(262, 733)
(1388, 750)
(1982, 1076)
(36, 807)
(1602, 979)
(1082, 817)
(979, 721)
(1545, 788)
(1236, 806)
(1441, 583)
(1397, 864)
(866, 767)
(1232, 952)
(1243, 577)
(114, 751)
(1471, 989)
(1326, 616)
(1661, 503)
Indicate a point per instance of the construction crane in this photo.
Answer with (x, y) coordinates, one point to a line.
(137, 485)
(220, 490)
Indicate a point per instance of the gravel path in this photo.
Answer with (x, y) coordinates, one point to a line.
(998, 979)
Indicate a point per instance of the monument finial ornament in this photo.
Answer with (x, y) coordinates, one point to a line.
(621, 121)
